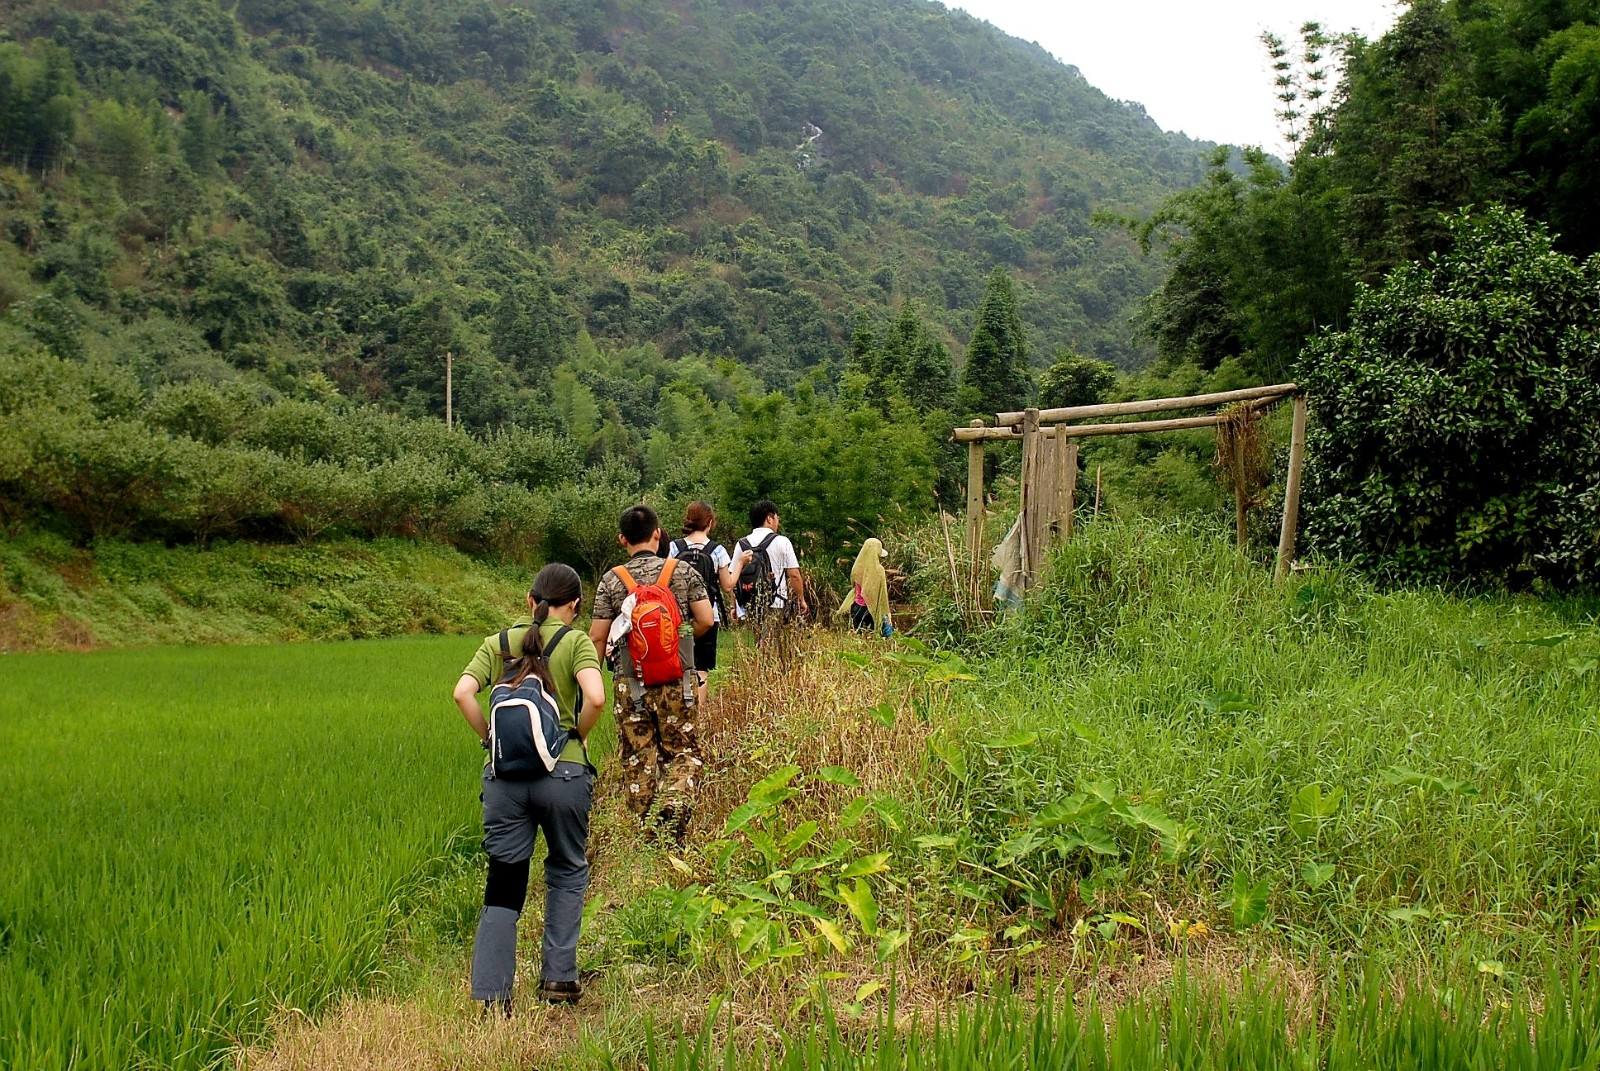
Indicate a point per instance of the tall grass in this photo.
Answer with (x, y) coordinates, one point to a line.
(1186, 1027)
(196, 837)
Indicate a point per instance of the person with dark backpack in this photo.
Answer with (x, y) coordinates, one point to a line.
(547, 696)
(712, 561)
(766, 569)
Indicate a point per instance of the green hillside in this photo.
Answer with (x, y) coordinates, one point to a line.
(330, 196)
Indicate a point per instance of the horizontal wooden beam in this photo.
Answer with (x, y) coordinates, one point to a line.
(1149, 405)
(1085, 431)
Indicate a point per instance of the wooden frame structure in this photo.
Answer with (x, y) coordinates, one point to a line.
(1050, 463)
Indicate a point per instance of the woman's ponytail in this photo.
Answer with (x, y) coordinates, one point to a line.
(556, 585)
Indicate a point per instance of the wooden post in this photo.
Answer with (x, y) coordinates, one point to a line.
(1241, 507)
(1097, 492)
(975, 517)
(1291, 489)
(1068, 452)
(1030, 489)
(449, 390)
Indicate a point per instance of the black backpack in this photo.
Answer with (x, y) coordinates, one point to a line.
(699, 557)
(757, 585)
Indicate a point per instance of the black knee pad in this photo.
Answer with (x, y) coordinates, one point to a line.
(507, 885)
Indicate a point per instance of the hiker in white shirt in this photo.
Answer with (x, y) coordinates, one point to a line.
(778, 584)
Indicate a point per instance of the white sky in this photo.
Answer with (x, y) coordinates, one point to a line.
(1196, 67)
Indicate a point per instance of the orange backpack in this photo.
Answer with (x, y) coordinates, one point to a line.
(653, 637)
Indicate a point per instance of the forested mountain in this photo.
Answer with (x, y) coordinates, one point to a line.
(329, 195)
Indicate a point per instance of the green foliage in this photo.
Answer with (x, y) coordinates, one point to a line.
(1461, 103)
(1075, 380)
(1459, 416)
(994, 377)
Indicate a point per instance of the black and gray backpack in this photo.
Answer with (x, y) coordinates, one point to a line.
(526, 735)
(699, 557)
(757, 585)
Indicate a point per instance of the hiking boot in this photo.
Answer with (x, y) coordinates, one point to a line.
(560, 992)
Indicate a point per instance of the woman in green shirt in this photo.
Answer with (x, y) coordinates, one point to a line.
(514, 811)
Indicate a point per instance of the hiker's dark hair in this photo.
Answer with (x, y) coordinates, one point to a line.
(761, 511)
(699, 517)
(636, 524)
(556, 585)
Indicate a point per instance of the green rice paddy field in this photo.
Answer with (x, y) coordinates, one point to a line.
(197, 836)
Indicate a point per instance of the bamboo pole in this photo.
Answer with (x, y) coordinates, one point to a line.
(1086, 431)
(1097, 492)
(1069, 489)
(1291, 490)
(1030, 465)
(1241, 505)
(1148, 405)
(975, 516)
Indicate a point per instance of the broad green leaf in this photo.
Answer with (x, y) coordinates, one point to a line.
(1544, 641)
(680, 866)
(1249, 900)
(867, 989)
(809, 910)
(866, 866)
(1126, 920)
(1408, 914)
(1590, 926)
(935, 841)
(1020, 738)
(860, 661)
(853, 811)
(838, 775)
(890, 942)
(948, 751)
(754, 932)
(773, 785)
(830, 929)
(799, 837)
(859, 899)
(755, 892)
(1493, 967)
(1310, 807)
(883, 714)
(1316, 875)
(744, 814)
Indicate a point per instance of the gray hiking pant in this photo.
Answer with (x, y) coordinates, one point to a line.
(513, 813)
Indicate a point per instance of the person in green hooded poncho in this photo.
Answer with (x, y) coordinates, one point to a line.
(868, 602)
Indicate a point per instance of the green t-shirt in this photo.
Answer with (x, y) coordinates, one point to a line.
(575, 653)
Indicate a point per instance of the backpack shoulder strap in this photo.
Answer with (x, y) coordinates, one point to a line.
(555, 641)
(767, 542)
(626, 577)
(679, 547)
(505, 644)
(666, 572)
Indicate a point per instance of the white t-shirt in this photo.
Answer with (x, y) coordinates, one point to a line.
(780, 552)
(719, 561)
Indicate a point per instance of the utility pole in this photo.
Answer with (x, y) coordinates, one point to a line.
(449, 393)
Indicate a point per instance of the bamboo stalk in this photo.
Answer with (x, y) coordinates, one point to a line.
(1291, 490)
(1148, 405)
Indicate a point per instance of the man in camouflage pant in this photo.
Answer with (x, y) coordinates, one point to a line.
(660, 753)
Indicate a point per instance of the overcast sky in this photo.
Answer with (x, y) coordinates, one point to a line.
(1196, 67)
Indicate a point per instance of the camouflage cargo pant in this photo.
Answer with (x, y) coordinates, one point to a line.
(660, 756)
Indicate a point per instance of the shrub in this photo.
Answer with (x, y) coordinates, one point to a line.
(1459, 416)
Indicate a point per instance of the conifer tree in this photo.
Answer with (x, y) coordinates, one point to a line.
(920, 363)
(995, 377)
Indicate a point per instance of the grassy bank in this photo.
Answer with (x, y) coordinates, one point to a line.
(116, 594)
